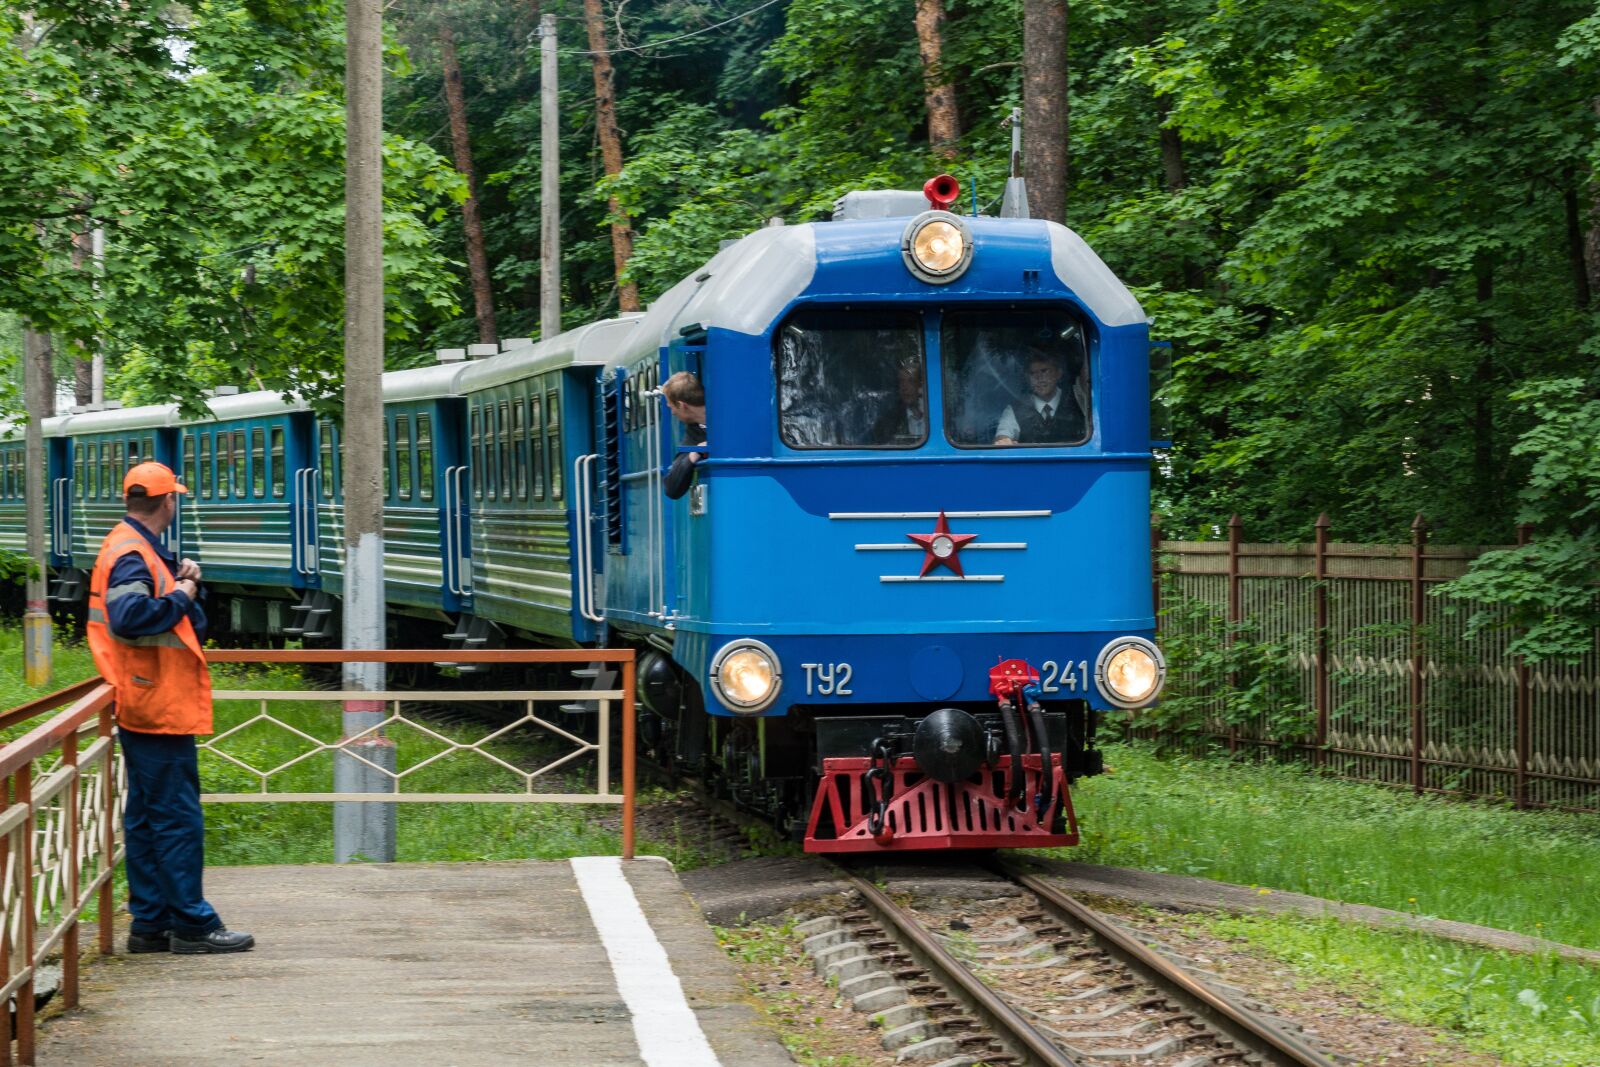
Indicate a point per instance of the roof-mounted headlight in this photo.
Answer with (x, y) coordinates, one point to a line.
(745, 676)
(1129, 672)
(937, 247)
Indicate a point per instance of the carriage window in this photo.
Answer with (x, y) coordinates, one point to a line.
(77, 472)
(117, 469)
(149, 448)
(205, 465)
(105, 469)
(424, 457)
(490, 486)
(477, 454)
(402, 455)
(536, 446)
(133, 453)
(240, 486)
(278, 473)
(258, 462)
(519, 447)
(503, 434)
(388, 462)
(552, 425)
(848, 380)
(325, 451)
(188, 458)
(1015, 378)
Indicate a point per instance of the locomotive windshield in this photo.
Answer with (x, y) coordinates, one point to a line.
(1015, 378)
(852, 380)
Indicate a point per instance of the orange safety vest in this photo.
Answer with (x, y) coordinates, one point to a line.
(162, 683)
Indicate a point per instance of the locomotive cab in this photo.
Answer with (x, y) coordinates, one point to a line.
(910, 478)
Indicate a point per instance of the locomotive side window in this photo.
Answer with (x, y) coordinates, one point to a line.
(1015, 378)
(851, 380)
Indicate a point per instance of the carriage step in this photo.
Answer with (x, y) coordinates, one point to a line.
(455, 637)
(582, 708)
(586, 672)
(293, 631)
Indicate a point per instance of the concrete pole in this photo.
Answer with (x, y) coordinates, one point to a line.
(36, 385)
(363, 830)
(550, 183)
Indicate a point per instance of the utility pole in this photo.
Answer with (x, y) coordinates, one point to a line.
(1045, 106)
(98, 370)
(363, 830)
(37, 390)
(550, 183)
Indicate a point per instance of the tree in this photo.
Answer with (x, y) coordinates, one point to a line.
(1045, 107)
(610, 151)
(460, 139)
(944, 121)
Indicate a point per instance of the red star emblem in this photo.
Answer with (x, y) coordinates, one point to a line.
(942, 546)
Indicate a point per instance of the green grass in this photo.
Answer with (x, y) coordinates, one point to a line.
(70, 663)
(1537, 1011)
(1289, 829)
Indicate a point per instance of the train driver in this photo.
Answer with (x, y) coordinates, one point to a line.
(1049, 415)
(686, 399)
(907, 421)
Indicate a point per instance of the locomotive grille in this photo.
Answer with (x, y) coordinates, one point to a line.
(612, 405)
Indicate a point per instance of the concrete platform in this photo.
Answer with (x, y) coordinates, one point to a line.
(452, 965)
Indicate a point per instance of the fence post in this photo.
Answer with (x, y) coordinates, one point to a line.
(106, 906)
(1320, 657)
(1524, 702)
(70, 805)
(8, 859)
(29, 933)
(1419, 550)
(1235, 535)
(1155, 569)
(629, 717)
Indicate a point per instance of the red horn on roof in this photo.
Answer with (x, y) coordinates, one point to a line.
(942, 191)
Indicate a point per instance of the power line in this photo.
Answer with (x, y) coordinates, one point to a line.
(669, 40)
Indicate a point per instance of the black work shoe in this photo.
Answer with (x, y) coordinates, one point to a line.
(219, 940)
(138, 942)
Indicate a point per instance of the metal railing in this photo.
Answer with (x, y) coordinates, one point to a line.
(526, 716)
(1394, 690)
(60, 841)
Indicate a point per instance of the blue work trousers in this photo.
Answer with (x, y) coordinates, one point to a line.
(165, 834)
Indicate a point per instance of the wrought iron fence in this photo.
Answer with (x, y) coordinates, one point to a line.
(1392, 688)
(60, 842)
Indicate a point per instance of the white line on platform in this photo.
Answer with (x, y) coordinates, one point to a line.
(665, 1027)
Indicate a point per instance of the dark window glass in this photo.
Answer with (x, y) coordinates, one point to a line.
(424, 457)
(850, 380)
(477, 453)
(536, 446)
(1015, 378)
(519, 447)
(325, 457)
(552, 425)
(240, 486)
(276, 453)
(205, 465)
(133, 452)
(503, 432)
(402, 455)
(258, 463)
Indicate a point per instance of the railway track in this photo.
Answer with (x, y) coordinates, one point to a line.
(1039, 979)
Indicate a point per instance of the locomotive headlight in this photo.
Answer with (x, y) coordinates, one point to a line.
(745, 676)
(937, 247)
(1129, 672)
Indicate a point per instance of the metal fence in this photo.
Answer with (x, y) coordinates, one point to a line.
(60, 842)
(1392, 689)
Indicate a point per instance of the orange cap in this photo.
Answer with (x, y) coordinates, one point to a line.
(156, 479)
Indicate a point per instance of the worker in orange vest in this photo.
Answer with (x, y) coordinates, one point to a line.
(145, 626)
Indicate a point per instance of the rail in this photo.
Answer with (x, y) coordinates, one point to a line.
(60, 791)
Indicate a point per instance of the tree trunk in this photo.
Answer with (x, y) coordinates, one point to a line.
(1591, 236)
(472, 226)
(944, 119)
(1582, 291)
(610, 151)
(1044, 106)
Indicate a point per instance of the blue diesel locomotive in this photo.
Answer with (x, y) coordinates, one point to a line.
(911, 573)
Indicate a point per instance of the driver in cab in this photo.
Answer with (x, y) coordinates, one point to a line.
(1048, 415)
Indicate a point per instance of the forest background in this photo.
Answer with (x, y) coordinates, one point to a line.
(1371, 229)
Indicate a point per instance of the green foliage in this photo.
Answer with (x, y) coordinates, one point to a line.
(1222, 675)
(1547, 588)
(16, 568)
